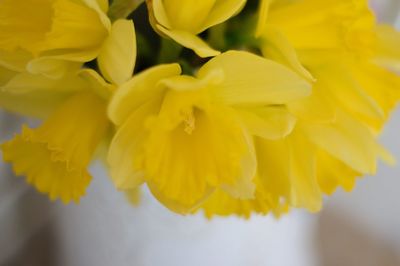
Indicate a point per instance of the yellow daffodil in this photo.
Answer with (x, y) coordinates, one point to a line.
(183, 20)
(55, 36)
(41, 75)
(187, 136)
(337, 38)
(337, 45)
(55, 156)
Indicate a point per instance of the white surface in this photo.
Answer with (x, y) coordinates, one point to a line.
(106, 230)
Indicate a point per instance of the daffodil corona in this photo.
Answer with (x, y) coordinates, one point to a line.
(55, 156)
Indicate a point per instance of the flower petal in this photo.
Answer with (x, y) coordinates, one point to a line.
(140, 89)
(191, 41)
(274, 122)
(349, 141)
(124, 156)
(278, 48)
(222, 11)
(117, 57)
(250, 79)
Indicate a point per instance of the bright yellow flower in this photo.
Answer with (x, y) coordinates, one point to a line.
(337, 45)
(55, 156)
(341, 39)
(50, 34)
(183, 20)
(74, 109)
(187, 136)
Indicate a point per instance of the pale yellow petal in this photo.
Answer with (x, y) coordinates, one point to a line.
(276, 47)
(157, 9)
(25, 82)
(388, 52)
(244, 188)
(34, 104)
(349, 141)
(99, 6)
(52, 67)
(6, 75)
(250, 79)
(262, 16)
(273, 122)
(97, 83)
(125, 154)
(305, 192)
(222, 11)
(333, 173)
(15, 60)
(140, 89)
(133, 196)
(191, 41)
(103, 4)
(185, 83)
(117, 57)
(287, 172)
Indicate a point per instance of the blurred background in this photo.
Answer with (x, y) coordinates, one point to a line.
(361, 228)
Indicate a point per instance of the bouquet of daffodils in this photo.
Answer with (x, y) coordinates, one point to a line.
(221, 106)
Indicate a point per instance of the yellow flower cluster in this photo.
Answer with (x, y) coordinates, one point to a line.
(235, 106)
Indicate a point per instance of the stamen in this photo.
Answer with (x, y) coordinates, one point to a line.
(189, 121)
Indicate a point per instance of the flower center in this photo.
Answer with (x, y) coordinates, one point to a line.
(189, 121)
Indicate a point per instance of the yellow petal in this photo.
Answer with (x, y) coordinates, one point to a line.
(187, 15)
(349, 141)
(305, 191)
(244, 188)
(332, 173)
(24, 28)
(185, 83)
(99, 6)
(103, 4)
(388, 53)
(133, 196)
(222, 11)
(38, 104)
(26, 82)
(117, 57)
(52, 67)
(191, 41)
(55, 156)
(318, 107)
(276, 47)
(140, 89)
(97, 83)
(15, 60)
(222, 204)
(287, 172)
(158, 14)
(262, 16)
(5, 76)
(274, 122)
(125, 154)
(250, 79)
(346, 89)
(74, 21)
(381, 85)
